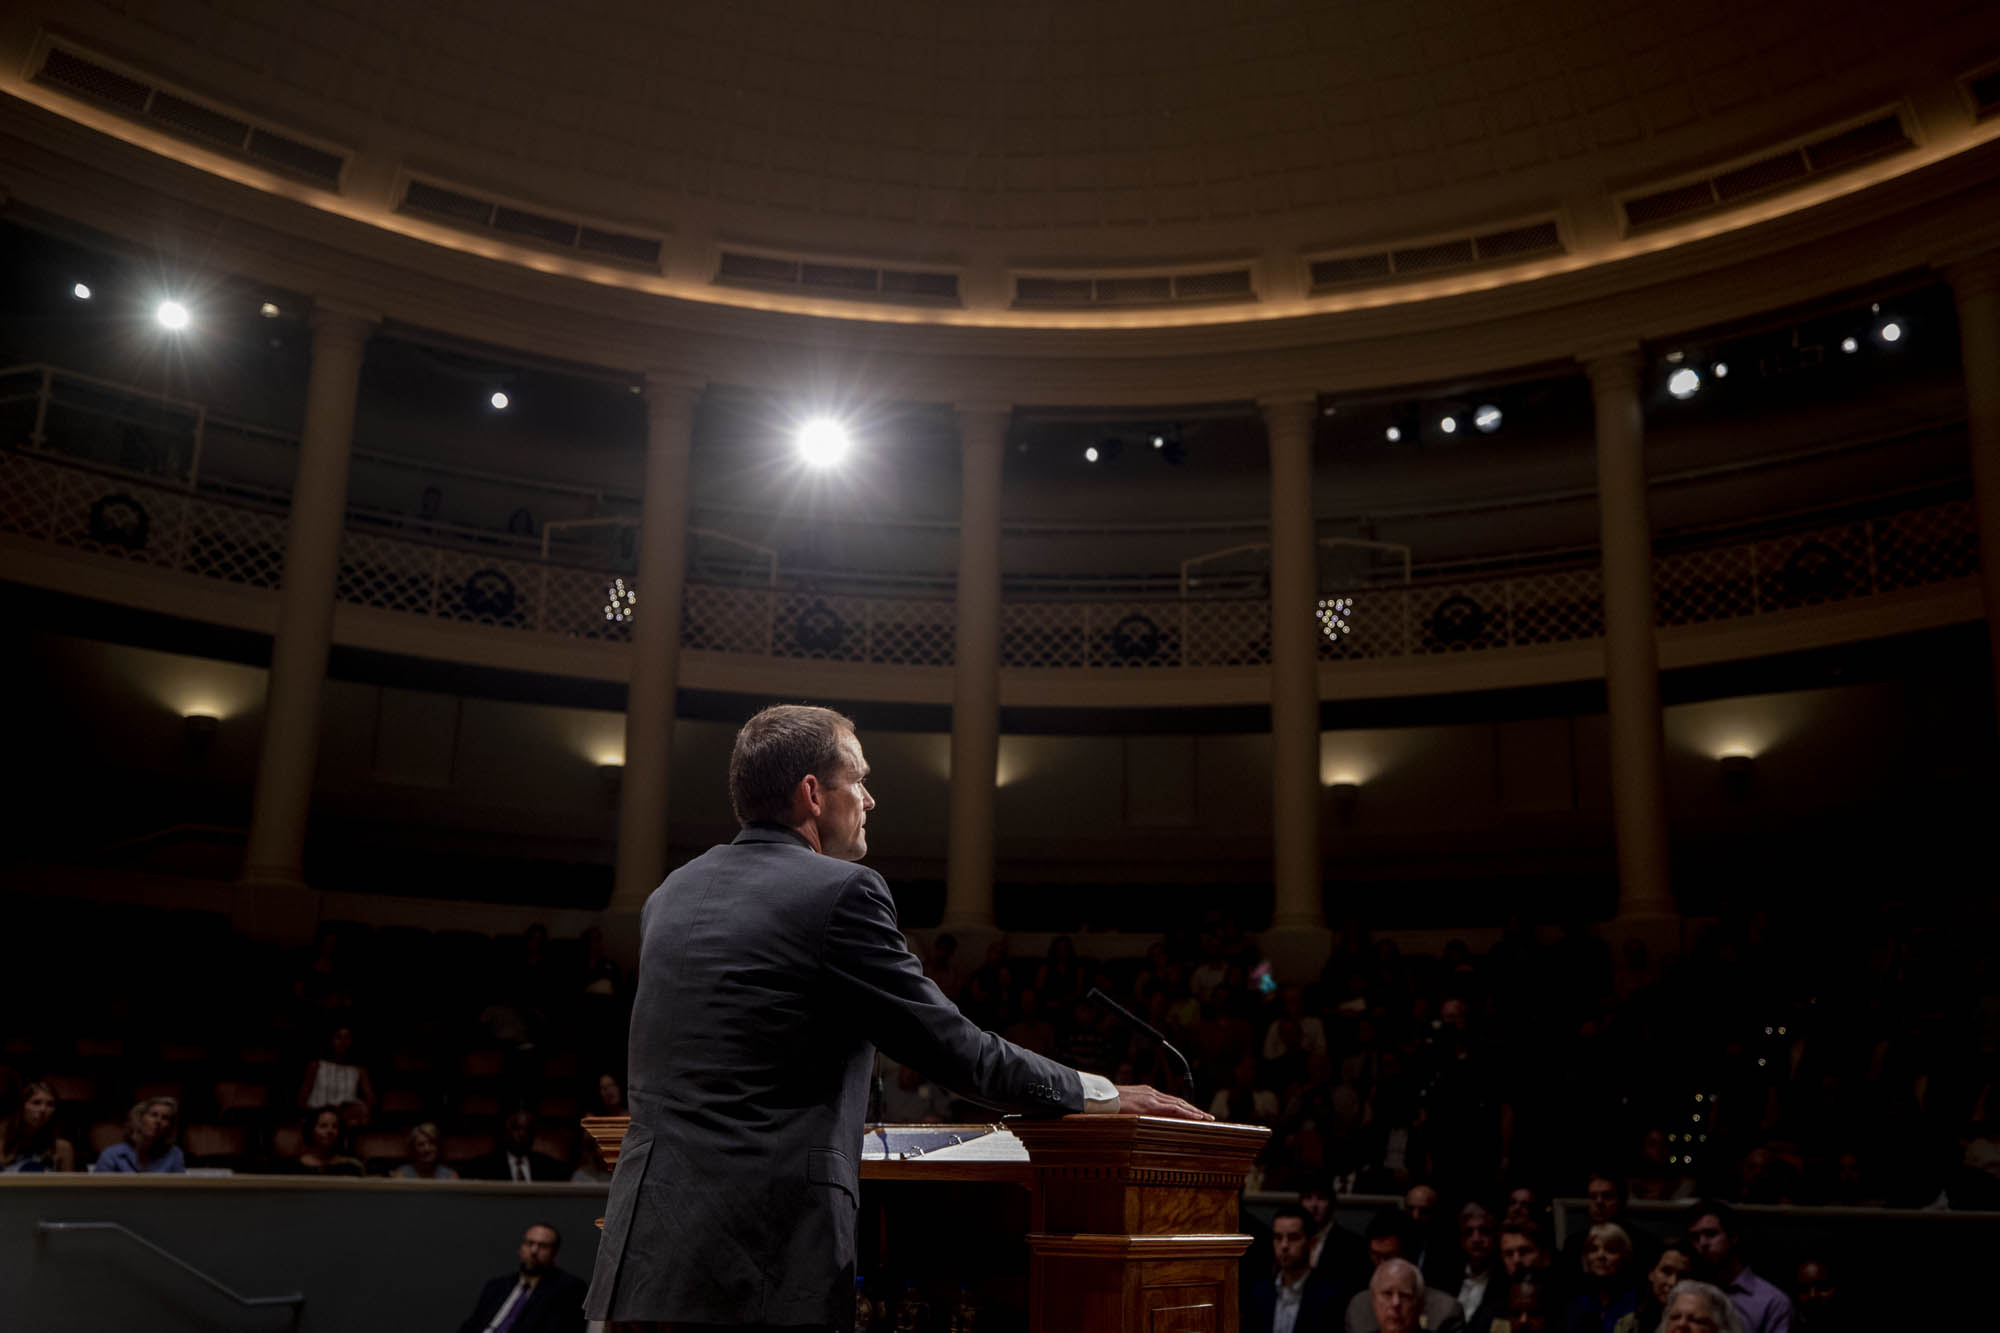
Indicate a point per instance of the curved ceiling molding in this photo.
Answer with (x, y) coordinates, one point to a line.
(1082, 291)
(764, 270)
(1530, 240)
(460, 208)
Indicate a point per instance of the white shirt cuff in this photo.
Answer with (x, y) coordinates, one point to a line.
(1097, 1088)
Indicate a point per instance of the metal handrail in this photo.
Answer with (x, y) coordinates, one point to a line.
(296, 1299)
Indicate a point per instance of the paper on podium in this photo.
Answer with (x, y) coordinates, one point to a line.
(951, 1143)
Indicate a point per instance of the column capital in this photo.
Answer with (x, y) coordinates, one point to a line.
(332, 318)
(983, 422)
(1612, 365)
(1976, 275)
(673, 387)
(1280, 399)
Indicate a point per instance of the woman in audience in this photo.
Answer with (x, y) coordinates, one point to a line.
(149, 1140)
(1609, 1301)
(1696, 1307)
(326, 1146)
(1676, 1258)
(610, 1096)
(28, 1140)
(424, 1163)
(333, 1079)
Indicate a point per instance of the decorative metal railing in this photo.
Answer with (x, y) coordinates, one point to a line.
(106, 512)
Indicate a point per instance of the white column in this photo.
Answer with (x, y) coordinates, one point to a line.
(1631, 654)
(656, 644)
(275, 855)
(975, 691)
(1977, 286)
(1298, 920)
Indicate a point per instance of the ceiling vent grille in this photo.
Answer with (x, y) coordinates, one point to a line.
(469, 212)
(854, 282)
(1842, 150)
(1528, 241)
(185, 118)
(1126, 289)
(1985, 93)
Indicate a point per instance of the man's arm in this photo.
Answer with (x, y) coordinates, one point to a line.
(909, 1017)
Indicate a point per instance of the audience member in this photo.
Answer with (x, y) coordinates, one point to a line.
(1521, 1249)
(1818, 1305)
(1605, 1203)
(1656, 1175)
(1717, 1241)
(1420, 1205)
(424, 1163)
(1609, 1299)
(1334, 1248)
(537, 1297)
(1530, 1305)
(944, 969)
(1697, 1307)
(28, 1137)
(149, 1144)
(908, 1098)
(1471, 1270)
(1675, 1261)
(1395, 1298)
(610, 1096)
(1243, 1102)
(517, 1159)
(334, 1079)
(1296, 1298)
(326, 1152)
(1391, 1237)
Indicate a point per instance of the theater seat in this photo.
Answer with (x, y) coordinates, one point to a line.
(215, 1145)
(236, 1098)
(382, 1150)
(105, 1133)
(287, 1142)
(557, 1143)
(405, 1103)
(72, 1087)
(467, 1147)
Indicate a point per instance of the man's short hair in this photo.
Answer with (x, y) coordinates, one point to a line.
(775, 750)
(549, 1227)
(1388, 1224)
(1531, 1229)
(1292, 1210)
(1394, 1268)
(1724, 1215)
(1316, 1182)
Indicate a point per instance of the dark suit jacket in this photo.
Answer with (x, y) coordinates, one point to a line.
(1320, 1306)
(541, 1166)
(554, 1306)
(768, 974)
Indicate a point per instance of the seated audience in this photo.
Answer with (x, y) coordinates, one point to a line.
(149, 1144)
(1697, 1307)
(1675, 1261)
(1396, 1299)
(1243, 1102)
(1334, 1248)
(424, 1163)
(1297, 1298)
(1521, 1249)
(1530, 1305)
(610, 1097)
(944, 969)
(1656, 1175)
(28, 1138)
(1420, 1205)
(1818, 1306)
(1391, 1237)
(326, 1151)
(537, 1297)
(1605, 1202)
(1717, 1242)
(1471, 1271)
(517, 1158)
(1608, 1301)
(908, 1098)
(334, 1079)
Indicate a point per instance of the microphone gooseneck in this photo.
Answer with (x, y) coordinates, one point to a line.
(1103, 1001)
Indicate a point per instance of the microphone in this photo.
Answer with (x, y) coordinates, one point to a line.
(1103, 1001)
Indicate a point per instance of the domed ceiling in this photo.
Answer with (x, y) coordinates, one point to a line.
(979, 143)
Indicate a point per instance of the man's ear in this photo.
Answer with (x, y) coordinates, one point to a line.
(809, 798)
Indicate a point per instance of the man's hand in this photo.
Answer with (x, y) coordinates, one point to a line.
(1138, 1099)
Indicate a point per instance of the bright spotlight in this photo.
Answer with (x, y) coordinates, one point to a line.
(1850, 344)
(171, 314)
(1722, 370)
(1486, 418)
(1890, 332)
(269, 310)
(1159, 441)
(1683, 382)
(1449, 425)
(1394, 434)
(81, 291)
(500, 400)
(822, 442)
(1090, 454)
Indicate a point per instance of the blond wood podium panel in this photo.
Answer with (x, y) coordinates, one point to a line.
(1132, 1219)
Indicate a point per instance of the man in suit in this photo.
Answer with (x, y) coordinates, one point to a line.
(1391, 1239)
(770, 968)
(536, 1298)
(1298, 1298)
(517, 1158)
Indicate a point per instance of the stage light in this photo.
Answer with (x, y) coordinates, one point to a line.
(1675, 357)
(1486, 418)
(1394, 434)
(81, 291)
(1722, 370)
(1159, 441)
(172, 315)
(1684, 382)
(198, 731)
(1890, 332)
(1449, 425)
(822, 442)
(269, 310)
(1090, 454)
(1850, 344)
(500, 400)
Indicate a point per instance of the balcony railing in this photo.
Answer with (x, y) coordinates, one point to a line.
(104, 511)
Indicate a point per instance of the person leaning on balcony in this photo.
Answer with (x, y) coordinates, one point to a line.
(149, 1145)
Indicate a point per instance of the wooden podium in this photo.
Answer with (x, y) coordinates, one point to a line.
(1131, 1221)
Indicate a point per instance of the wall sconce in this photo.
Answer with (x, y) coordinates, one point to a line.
(611, 777)
(198, 733)
(1737, 772)
(1344, 796)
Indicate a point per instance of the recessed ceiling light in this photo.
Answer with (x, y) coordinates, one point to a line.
(500, 400)
(1487, 418)
(81, 291)
(1683, 382)
(172, 315)
(269, 310)
(1449, 425)
(822, 442)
